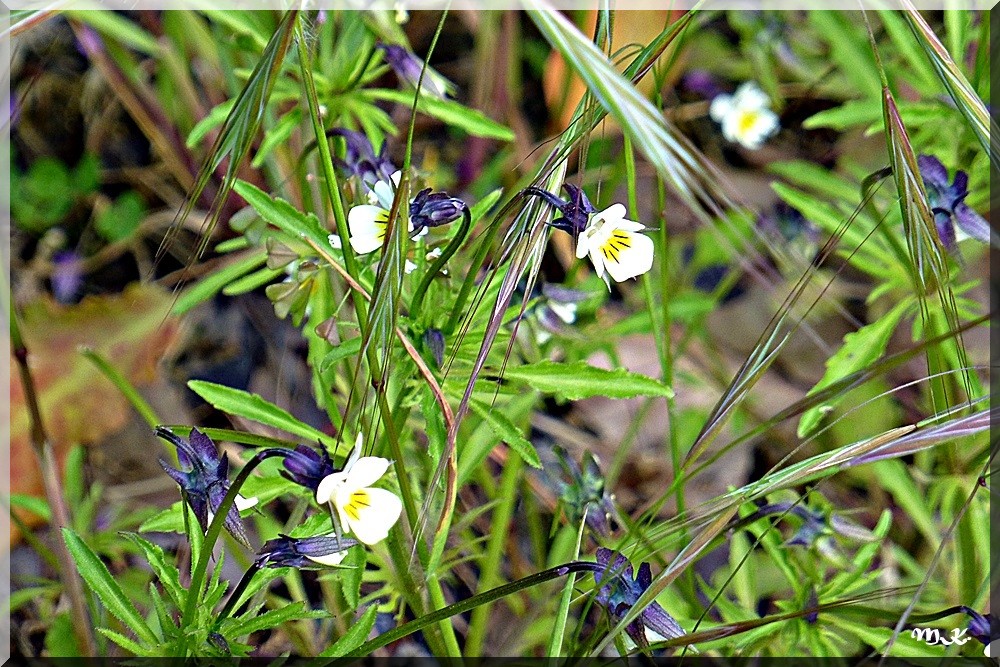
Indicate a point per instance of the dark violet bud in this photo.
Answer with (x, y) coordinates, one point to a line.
(701, 83)
(219, 642)
(575, 211)
(361, 160)
(205, 483)
(304, 465)
(306, 552)
(67, 276)
(434, 340)
(983, 628)
(952, 216)
(619, 590)
(407, 67)
(584, 494)
(433, 209)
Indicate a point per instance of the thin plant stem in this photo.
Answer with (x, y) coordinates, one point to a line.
(72, 584)
(491, 566)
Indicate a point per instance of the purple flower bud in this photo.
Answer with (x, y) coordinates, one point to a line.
(205, 484)
(701, 83)
(303, 465)
(435, 209)
(361, 160)
(576, 210)
(947, 202)
(67, 275)
(407, 67)
(303, 553)
(619, 590)
(434, 340)
(983, 627)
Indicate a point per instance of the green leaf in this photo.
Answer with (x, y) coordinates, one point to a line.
(99, 579)
(281, 214)
(207, 288)
(847, 115)
(580, 380)
(60, 640)
(354, 637)
(350, 576)
(347, 348)
(166, 572)
(33, 504)
(277, 135)
(117, 27)
(454, 114)
(211, 121)
(274, 618)
(507, 431)
(251, 406)
(121, 220)
(126, 643)
(861, 348)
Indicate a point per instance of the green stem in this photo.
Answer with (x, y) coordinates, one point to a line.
(491, 567)
(326, 164)
(435, 268)
(82, 627)
(476, 600)
(214, 529)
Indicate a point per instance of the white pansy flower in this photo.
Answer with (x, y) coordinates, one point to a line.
(367, 512)
(745, 116)
(367, 222)
(614, 246)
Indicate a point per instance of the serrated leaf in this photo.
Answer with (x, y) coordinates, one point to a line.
(354, 637)
(350, 576)
(165, 571)
(251, 406)
(100, 581)
(273, 618)
(861, 348)
(454, 114)
(578, 380)
(281, 214)
(126, 643)
(507, 431)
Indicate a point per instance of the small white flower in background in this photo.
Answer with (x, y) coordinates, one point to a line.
(367, 512)
(335, 241)
(367, 222)
(614, 246)
(745, 116)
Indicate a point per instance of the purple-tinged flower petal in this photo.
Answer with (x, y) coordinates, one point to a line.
(971, 222)
(932, 171)
(619, 591)
(960, 186)
(408, 66)
(232, 522)
(306, 552)
(575, 212)
(206, 483)
(983, 627)
(945, 230)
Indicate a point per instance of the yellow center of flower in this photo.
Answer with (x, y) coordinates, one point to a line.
(747, 121)
(359, 500)
(617, 242)
(381, 221)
